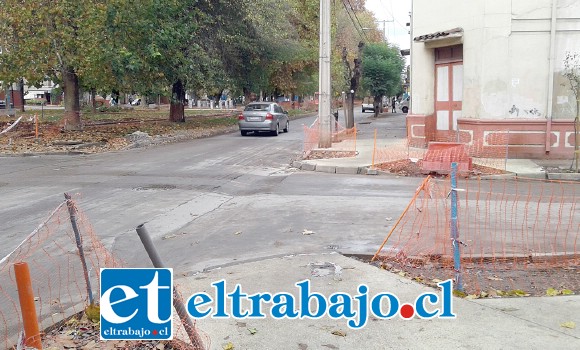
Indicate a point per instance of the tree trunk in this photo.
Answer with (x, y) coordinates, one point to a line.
(247, 95)
(354, 83)
(72, 106)
(93, 102)
(177, 107)
(349, 110)
(377, 105)
(21, 89)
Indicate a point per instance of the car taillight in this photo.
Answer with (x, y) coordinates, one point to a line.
(241, 117)
(269, 116)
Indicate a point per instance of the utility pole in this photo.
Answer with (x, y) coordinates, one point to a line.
(384, 22)
(324, 116)
(410, 90)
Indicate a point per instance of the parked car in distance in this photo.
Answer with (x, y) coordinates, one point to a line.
(3, 104)
(368, 105)
(263, 117)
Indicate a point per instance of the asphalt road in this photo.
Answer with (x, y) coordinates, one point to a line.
(206, 202)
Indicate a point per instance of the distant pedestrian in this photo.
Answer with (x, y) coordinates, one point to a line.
(393, 102)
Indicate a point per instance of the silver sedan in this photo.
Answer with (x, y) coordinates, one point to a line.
(263, 116)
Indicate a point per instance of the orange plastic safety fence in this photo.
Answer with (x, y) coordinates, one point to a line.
(57, 276)
(487, 154)
(343, 140)
(515, 234)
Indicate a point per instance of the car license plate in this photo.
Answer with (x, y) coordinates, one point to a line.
(254, 119)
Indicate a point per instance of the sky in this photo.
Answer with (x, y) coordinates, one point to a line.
(397, 12)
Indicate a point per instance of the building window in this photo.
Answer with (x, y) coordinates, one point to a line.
(449, 54)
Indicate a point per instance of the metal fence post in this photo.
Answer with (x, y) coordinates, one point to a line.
(177, 303)
(73, 220)
(454, 230)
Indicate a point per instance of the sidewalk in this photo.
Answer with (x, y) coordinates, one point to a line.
(501, 323)
(392, 128)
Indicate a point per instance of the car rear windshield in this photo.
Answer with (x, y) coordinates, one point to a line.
(258, 107)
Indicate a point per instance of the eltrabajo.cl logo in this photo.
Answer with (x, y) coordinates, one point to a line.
(136, 304)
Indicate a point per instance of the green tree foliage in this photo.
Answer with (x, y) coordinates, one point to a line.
(58, 40)
(382, 66)
(353, 27)
(155, 45)
(162, 47)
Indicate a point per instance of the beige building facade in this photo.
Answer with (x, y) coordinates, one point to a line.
(491, 71)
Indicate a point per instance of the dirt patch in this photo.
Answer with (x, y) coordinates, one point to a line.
(497, 279)
(78, 332)
(111, 134)
(407, 167)
(403, 167)
(328, 154)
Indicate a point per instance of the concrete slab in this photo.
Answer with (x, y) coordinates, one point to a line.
(525, 167)
(554, 311)
(347, 170)
(326, 168)
(308, 166)
(296, 164)
(486, 324)
(564, 176)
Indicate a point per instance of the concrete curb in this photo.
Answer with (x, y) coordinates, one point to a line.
(541, 175)
(366, 170)
(325, 168)
(334, 169)
(347, 170)
(494, 177)
(563, 176)
(38, 154)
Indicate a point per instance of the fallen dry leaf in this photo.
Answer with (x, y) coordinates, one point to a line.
(494, 278)
(339, 333)
(90, 345)
(569, 324)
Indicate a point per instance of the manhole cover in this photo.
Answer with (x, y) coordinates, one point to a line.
(155, 187)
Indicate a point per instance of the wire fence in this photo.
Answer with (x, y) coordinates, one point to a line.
(486, 154)
(514, 234)
(58, 276)
(343, 141)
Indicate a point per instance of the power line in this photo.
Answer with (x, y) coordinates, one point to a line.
(358, 21)
(352, 20)
(392, 14)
